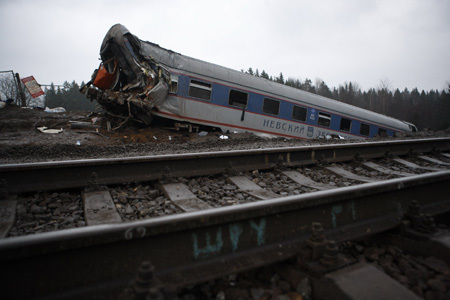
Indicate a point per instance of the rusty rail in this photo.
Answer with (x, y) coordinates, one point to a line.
(98, 261)
(30, 177)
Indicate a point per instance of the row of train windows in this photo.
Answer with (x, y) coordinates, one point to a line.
(346, 125)
(202, 90)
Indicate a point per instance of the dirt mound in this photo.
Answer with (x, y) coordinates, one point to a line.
(21, 141)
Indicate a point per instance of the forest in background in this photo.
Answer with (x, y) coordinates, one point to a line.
(425, 109)
(69, 97)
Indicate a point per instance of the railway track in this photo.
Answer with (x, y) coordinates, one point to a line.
(241, 210)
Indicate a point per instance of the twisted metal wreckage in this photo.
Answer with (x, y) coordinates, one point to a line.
(129, 81)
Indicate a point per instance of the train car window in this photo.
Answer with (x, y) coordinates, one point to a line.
(201, 90)
(346, 124)
(237, 98)
(173, 83)
(382, 132)
(324, 119)
(299, 113)
(271, 106)
(365, 129)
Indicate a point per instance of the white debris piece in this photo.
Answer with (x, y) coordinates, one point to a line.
(224, 137)
(55, 110)
(46, 130)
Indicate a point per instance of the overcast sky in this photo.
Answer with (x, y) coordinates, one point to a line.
(405, 43)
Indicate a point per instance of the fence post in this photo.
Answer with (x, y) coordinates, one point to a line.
(21, 92)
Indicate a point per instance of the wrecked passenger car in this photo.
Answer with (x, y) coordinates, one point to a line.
(127, 82)
(140, 80)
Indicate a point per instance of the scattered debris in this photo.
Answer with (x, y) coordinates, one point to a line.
(223, 137)
(55, 110)
(47, 130)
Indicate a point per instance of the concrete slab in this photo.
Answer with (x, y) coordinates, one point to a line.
(251, 188)
(99, 208)
(434, 160)
(7, 216)
(306, 181)
(349, 175)
(413, 165)
(361, 281)
(182, 197)
(373, 166)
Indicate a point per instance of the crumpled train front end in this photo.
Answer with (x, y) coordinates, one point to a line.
(128, 83)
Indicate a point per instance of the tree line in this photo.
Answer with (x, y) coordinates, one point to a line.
(69, 97)
(425, 109)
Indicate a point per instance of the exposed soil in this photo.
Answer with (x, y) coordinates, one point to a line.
(21, 141)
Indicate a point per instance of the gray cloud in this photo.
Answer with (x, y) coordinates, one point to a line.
(405, 41)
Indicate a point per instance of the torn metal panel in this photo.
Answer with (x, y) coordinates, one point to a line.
(128, 82)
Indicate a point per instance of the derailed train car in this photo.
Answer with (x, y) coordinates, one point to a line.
(141, 80)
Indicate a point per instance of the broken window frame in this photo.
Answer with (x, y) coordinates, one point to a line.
(200, 90)
(299, 113)
(345, 127)
(236, 98)
(364, 129)
(173, 84)
(271, 106)
(324, 119)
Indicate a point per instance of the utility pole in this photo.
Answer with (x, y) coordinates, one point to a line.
(21, 92)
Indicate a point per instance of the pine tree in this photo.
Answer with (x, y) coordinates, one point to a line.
(264, 74)
(280, 79)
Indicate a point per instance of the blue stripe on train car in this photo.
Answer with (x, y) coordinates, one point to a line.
(220, 94)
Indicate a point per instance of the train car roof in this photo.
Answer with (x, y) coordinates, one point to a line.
(214, 72)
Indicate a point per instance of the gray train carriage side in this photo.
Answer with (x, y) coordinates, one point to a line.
(203, 93)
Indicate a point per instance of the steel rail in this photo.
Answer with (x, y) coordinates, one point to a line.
(30, 177)
(98, 261)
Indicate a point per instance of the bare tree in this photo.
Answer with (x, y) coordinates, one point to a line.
(8, 89)
(385, 93)
(385, 84)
